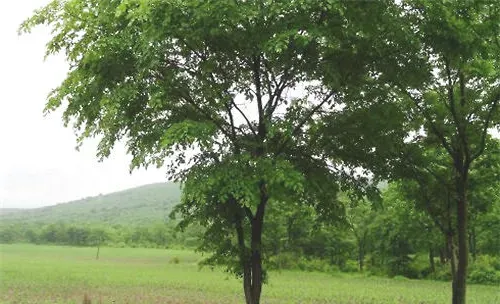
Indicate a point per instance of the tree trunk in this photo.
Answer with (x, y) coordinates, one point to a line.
(459, 290)
(472, 242)
(97, 255)
(247, 282)
(245, 263)
(452, 257)
(431, 260)
(256, 261)
(442, 255)
(98, 248)
(252, 263)
(361, 252)
(256, 245)
(361, 260)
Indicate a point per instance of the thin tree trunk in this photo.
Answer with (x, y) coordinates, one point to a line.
(431, 260)
(452, 257)
(245, 264)
(98, 248)
(472, 243)
(256, 246)
(361, 252)
(459, 291)
(361, 260)
(247, 282)
(442, 255)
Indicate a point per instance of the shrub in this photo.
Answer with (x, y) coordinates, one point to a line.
(400, 278)
(175, 260)
(285, 260)
(442, 273)
(120, 245)
(317, 265)
(350, 266)
(492, 261)
(399, 266)
(485, 270)
(418, 268)
(485, 276)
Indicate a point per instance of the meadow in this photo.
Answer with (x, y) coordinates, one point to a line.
(56, 274)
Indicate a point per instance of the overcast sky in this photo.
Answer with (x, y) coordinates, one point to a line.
(39, 165)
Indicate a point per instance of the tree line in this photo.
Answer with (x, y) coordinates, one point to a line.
(389, 237)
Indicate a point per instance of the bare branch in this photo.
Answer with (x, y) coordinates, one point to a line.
(244, 116)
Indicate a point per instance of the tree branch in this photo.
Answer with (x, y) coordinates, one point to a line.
(244, 116)
(258, 94)
(462, 126)
(451, 95)
(496, 98)
(304, 121)
(208, 116)
(248, 213)
(428, 118)
(231, 121)
(276, 95)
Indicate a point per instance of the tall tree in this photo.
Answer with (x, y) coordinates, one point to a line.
(460, 102)
(446, 93)
(224, 89)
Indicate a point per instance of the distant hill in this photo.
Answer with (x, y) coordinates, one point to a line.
(129, 207)
(8, 210)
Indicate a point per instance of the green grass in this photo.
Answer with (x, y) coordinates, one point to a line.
(53, 274)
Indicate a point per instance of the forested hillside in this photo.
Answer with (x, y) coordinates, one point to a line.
(135, 206)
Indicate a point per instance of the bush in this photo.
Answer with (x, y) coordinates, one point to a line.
(485, 271)
(316, 265)
(418, 268)
(290, 260)
(175, 260)
(400, 278)
(485, 276)
(442, 273)
(350, 266)
(285, 260)
(399, 266)
(488, 260)
(119, 245)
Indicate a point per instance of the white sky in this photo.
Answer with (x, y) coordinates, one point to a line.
(39, 165)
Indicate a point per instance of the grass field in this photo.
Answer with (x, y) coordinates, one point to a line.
(52, 274)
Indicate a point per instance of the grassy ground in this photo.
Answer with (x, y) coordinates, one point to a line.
(52, 274)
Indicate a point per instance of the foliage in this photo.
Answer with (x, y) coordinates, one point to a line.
(485, 270)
